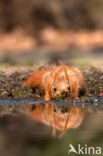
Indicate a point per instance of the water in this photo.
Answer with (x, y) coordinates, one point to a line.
(29, 127)
(95, 100)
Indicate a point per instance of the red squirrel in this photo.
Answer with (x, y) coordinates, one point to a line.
(58, 81)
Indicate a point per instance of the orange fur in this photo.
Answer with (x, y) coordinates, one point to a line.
(58, 81)
(61, 121)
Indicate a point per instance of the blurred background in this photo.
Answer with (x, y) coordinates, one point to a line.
(30, 29)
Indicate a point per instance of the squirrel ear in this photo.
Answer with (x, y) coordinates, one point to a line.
(60, 63)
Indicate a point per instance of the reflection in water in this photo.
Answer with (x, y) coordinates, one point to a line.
(21, 136)
(60, 118)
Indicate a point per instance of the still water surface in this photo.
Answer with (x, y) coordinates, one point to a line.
(36, 128)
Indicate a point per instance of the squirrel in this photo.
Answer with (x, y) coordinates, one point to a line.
(58, 81)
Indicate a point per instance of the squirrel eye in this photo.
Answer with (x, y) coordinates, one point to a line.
(55, 89)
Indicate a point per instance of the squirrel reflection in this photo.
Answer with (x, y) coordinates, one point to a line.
(59, 118)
